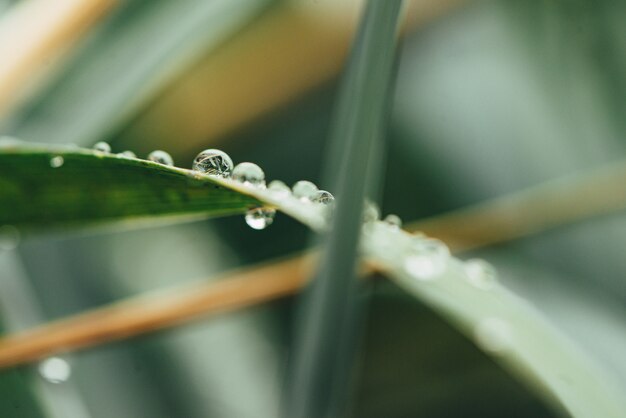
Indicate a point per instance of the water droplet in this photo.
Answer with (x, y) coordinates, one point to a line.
(213, 161)
(102, 147)
(323, 197)
(371, 213)
(56, 162)
(480, 273)
(9, 237)
(427, 258)
(304, 190)
(279, 189)
(127, 154)
(393, 221)
(260, 218)
(55, 370)
(249, 174)
(493, 334)
(161, 157)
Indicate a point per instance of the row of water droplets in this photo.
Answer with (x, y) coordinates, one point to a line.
(427, 260)
(217, 163)
(422, 258)
(214, 162)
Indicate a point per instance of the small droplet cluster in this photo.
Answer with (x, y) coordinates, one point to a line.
(217, 163)
(157, 156)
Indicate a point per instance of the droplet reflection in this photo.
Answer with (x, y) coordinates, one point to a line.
(249, 174)
(161, 157)
(304, 190)
(260, 218)
(102, 147)
(213, 161)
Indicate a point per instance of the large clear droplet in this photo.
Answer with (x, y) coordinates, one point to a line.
(249, 174)
(260, 218)
(161, 157)
(102, 147)
(9, 237)
(393, 221)
(127, 154)
(304, 190)
(480, 274)
(56, 161)
(426, 259)
(55, 370)
(323, 197)
(279, 189)
(493, 334)
(214, 162)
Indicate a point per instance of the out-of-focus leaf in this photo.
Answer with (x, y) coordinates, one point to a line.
(132, 56)
(507, 327)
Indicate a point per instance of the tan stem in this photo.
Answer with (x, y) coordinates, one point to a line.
(158, 310)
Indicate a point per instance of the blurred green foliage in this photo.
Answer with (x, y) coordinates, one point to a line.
(492, 97)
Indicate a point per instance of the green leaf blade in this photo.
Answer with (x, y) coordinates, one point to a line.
(90, 187)
(531, 348)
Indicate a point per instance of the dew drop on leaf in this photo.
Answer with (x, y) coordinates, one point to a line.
(393, 221)
(127, 154)
(249, 174)
(260, 218)
(426, 259)
(279, 189)
(304, 190)
(56, 161)
(480, 274)
(55, 370)
(161, 157)
(214, 162)
(323, 197)
(102, 147)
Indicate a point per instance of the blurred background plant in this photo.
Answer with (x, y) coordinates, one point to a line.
(492, 97)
